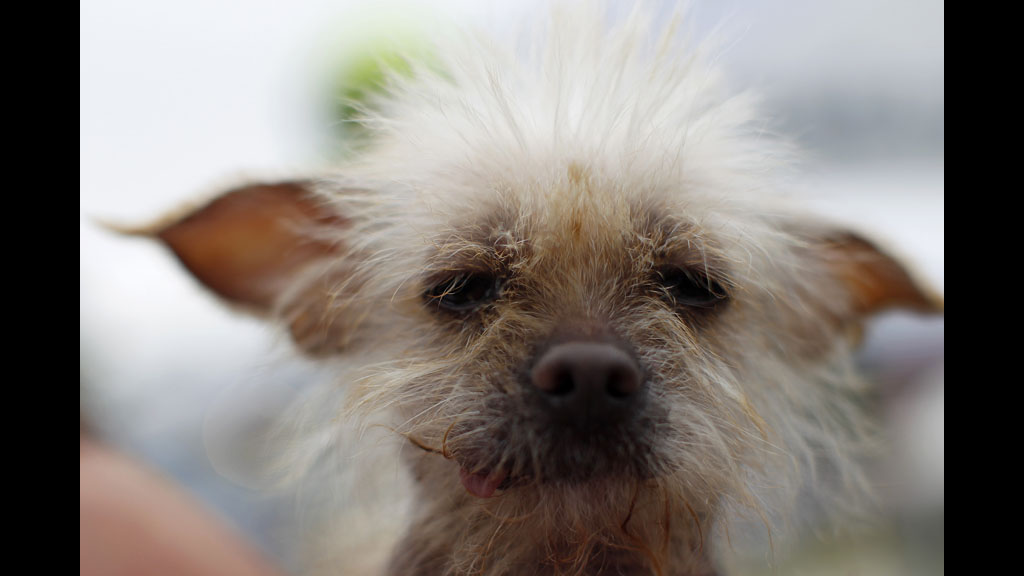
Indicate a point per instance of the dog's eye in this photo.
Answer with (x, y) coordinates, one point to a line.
(465, 292)
(689, 288)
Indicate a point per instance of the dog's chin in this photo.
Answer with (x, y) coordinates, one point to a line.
(568, 465)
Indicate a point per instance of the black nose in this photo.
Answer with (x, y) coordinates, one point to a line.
(588, 384)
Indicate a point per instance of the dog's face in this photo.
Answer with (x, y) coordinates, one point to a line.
(572, 340)
(597, 329)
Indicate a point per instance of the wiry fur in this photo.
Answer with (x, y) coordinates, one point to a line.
(573, 167)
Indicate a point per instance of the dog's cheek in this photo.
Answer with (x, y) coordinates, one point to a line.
(320, 315)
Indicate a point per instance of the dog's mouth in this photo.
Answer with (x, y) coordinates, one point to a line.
(484, 484)
(577, 459)
(488, 481)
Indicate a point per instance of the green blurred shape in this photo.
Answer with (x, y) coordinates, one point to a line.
(364, 76)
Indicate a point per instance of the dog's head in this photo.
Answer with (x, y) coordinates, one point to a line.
(565, 288)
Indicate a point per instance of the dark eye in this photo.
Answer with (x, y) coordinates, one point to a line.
(689, 288)
(464, 292)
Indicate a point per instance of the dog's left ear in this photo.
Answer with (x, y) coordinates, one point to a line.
(872, 279)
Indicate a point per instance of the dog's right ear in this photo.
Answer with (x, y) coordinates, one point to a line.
(249, 244)
(255, 246)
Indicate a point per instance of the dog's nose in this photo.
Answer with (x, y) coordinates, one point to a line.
(588, 384)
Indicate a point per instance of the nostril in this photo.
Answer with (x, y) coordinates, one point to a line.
(560, 382)
(623, 381)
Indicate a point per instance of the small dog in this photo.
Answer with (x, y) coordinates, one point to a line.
(558, 276)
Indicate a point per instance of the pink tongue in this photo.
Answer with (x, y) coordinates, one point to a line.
(481, 485)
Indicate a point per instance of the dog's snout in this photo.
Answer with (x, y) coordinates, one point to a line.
(588, 383)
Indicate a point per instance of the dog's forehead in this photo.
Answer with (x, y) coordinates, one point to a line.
(578, 217)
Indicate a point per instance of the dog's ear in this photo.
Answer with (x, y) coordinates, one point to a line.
(267, 248)
(873, 280)
(249, 244)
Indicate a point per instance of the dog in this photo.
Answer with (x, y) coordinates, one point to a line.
(561, 279)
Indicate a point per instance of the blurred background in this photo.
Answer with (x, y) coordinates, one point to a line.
(181, 99)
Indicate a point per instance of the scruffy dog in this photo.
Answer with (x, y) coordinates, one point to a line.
(559, 276)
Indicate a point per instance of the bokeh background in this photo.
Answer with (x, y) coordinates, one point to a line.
(181, 99)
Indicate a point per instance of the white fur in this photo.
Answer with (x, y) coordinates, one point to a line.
(644, 114)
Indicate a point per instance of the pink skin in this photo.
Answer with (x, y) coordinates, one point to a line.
(133, 521)
(481, 485)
